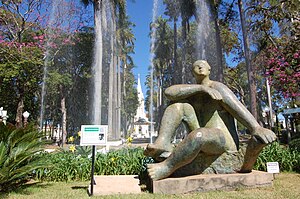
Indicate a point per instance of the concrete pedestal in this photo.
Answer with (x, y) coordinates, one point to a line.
(111, 185)
(208, 182)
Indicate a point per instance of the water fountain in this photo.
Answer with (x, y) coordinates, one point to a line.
(152, 46)
(47, 58)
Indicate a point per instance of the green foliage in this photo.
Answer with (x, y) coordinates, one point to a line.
(288, 160)
(18, 155)
(127, 161)
(20, 74)
(294, 145)
(67, 166)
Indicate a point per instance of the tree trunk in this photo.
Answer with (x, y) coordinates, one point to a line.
(183, 69)
(111, 93)
(20, 109)
(64, 115)
(124, 126)
(250, 71)
(98, 56)
(176, 72)
(119, 98)
(220, 72)
(115, 98)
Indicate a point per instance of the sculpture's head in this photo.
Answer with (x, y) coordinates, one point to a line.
(201, 68)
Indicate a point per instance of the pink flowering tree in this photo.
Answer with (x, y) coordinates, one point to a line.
(26, 40)
(21, 57)
(283, 70)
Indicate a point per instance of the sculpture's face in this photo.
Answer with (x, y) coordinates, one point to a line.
(201, 68)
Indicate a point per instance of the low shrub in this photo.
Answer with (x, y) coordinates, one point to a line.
(288, 160)
(65, 166)
(294, 145)
(126, 161)
(68, 166)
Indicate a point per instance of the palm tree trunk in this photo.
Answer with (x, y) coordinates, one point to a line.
(250, 71)
(97, 101)
(111, 92)
(119, 98)
(176, 70)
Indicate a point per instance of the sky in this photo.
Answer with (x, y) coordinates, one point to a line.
(140, 13)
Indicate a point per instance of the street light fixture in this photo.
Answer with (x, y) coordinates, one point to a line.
(3, 115)
(26, 115)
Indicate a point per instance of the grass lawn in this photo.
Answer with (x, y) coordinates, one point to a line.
(286, 185)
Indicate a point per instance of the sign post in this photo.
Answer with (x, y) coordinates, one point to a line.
(273, 167)
(92, 135)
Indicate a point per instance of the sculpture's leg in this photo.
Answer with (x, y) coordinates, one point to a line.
(252, 152)
(173, 116)
(206, 140)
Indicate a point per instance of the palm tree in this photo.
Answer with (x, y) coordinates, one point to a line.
(187, 11)
(117, 9)
(173, 11)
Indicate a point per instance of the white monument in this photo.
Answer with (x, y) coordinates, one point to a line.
(141, 123)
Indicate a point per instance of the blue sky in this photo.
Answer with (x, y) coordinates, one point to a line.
(140, 13)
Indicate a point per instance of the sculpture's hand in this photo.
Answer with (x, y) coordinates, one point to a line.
(214, 94)
(266, 136)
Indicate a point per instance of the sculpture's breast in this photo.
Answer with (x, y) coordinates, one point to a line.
(206, 108)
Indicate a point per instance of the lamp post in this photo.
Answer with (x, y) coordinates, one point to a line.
(25, 115)
(3, 115)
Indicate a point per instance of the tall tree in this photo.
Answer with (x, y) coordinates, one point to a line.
(276, 28)
(18, 23)
(173, 11)
(118, 50)
(249, 66)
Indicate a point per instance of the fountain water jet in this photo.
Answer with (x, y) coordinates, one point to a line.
(52, 20)
(153, 40)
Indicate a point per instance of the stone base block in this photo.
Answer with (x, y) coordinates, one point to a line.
(112, 184)
(208, 182)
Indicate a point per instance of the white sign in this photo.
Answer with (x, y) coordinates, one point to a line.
(272, 167)
(93, 135)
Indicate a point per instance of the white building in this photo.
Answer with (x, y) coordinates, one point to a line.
(141, 123)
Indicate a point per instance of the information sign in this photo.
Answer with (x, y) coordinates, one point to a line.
(272, 167)
(93, 135)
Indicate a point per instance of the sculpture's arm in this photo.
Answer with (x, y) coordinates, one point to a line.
(183, 91)
(241, 113)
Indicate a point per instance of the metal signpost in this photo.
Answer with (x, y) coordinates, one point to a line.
(92, 135)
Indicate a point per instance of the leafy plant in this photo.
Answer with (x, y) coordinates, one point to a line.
(288, 160)
(69, 166)
(18, 155)
(294, 145)
(66, 166)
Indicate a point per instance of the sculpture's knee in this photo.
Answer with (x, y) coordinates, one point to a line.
(175, 108)
(198, 135)
(209, 141)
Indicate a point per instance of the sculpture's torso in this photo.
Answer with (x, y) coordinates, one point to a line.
(211, 114)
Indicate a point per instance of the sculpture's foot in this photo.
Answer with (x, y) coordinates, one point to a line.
(159, 171)
(155, 150)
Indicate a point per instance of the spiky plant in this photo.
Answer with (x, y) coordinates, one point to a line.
(18, 155)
